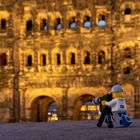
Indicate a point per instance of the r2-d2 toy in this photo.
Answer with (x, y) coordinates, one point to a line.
(118, 107)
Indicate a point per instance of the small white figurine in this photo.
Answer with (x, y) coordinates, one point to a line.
(118, 106)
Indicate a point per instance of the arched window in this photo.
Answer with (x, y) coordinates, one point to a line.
(127, 53)
(3, 24)
(3, 59)
(72, 58)
(87, 58)
(101, 57)
(101, 17)
(72, 23)
(127, 11)
(101, 21)
(52, 112)
(29, 60)
(126, 70)
(127, 16)
(43, 59)
(87, 22)
(29, 25)
(44, 24)
(58, 24)
(58, 59)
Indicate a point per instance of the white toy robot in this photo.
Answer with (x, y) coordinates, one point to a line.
(118, 107)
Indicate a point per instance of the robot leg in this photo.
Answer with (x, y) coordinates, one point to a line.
(109, 120)
(125, 119)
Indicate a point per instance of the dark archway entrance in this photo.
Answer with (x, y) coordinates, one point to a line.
(84, 109)
(43, 109)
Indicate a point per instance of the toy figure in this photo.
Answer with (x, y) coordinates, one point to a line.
(106, 114)
(118, 106)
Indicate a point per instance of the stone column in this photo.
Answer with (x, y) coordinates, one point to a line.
(16, 100)
(22, 104)
(16, 93)
(136, 102)
(36, 60)
(79, 24)
(93, 19)
(51, 25)
(28, 114)
(64, 20)
(65, 104)
(70, 112)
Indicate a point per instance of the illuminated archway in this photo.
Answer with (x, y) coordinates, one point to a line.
(84, 109)
(43, 108)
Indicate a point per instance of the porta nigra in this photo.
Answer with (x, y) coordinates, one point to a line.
(57, 55)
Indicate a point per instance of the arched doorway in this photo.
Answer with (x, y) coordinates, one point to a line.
(43, 108)
(84, 109)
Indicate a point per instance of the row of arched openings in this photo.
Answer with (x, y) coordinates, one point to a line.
(72, 59)
(72, 24)
(58, 23)
(44, 108)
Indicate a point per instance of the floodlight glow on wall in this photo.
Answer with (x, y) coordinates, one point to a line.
(59, 26)
(45, 27)
(87, 24)
(73, 25)
(101, 23)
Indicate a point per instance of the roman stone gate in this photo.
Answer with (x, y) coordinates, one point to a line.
(56, 56)
(40, 105)
(43, 108)
(58, 104)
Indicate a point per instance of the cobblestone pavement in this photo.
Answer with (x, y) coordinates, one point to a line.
(67, 130)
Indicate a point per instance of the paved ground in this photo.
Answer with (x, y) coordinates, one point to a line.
(67, 130)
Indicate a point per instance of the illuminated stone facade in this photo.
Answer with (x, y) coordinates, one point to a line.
(66, 52)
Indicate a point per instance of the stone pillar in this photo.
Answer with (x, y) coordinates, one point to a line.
(79, 57)
(50, 60)
(70, 115)
(28, 114)
(137, 101)
(16, 100)
(51, 25)
(65, 104)
(36, 59)
(64, 58)
(79, 24)
(22, 104)
(16, 93)
(64, 20)
(93, 19)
